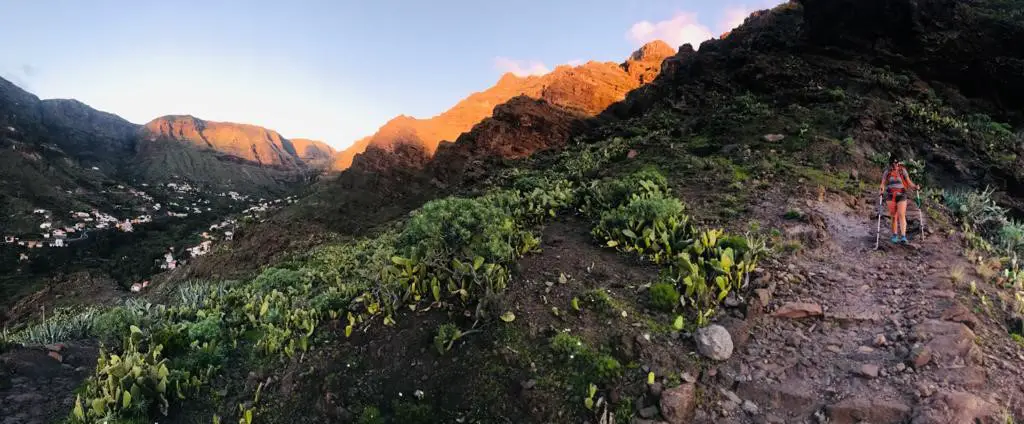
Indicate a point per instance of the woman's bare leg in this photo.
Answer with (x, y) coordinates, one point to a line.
(901, 211)
(893, 211)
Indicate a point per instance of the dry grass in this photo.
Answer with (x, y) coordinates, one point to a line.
(956, 274)
(988, 270)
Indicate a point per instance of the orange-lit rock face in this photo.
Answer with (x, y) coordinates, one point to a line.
(587, 89)
(248, 142)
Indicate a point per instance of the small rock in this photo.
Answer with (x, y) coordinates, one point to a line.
(679, 403)
(687, 377)
(55, 356)
(729, 394)
(925, 389)
(834, 349)
(56, 347)
(631, 154)
(714, 342)
(774, 138)
(900, 367)
(529, 384)
(920, 356)
(655, 389)
(856, 409)
(880, 340)
(750, 407)
(649, 412)
(798, 310)
(958, 407)
(960, 313)
(764, 295)
(865, 349)
(868, 370)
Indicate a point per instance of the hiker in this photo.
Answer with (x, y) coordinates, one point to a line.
(895, 182)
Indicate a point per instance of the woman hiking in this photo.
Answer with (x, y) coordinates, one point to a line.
(895, 182)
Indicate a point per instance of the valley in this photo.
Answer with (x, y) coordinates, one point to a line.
(687, 236)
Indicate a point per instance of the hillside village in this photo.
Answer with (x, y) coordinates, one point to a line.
(181, 200)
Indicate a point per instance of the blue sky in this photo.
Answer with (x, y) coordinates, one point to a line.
(333, 70)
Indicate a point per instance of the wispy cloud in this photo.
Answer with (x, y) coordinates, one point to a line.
(732, 18)
(685, 27)
(521, 68)
(29, 70)
(680, 29)
(21, 76)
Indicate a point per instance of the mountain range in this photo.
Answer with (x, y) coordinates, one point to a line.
(586, 89)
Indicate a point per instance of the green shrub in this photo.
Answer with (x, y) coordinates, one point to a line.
(539, 199)
(277, 278)
(567, 345)
(664, 296)
(193, 292)
(134, 384)
(606, 368)
(1011, 237)
(111, 326)
(654, 227)
(459, 228)
(370, 415)
(60, 325)
(331, 300)
(351, 268)
(709, 270)
(447, 335)
(412, 412)
(608, 194)
(591, 365)
(207, 329)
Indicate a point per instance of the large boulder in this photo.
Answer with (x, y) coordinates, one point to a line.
(679, 404)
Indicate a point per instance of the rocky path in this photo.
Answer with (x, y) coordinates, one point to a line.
(849, 334)
(37, 384)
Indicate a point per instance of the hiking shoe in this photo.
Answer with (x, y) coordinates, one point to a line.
(895, 239)
(904, 240)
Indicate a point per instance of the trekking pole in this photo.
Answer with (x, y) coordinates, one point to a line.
(920, 211)
(878, 227)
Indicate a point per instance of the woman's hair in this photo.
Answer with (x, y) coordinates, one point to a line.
(894, 158)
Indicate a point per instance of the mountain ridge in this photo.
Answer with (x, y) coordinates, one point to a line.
(588, 88)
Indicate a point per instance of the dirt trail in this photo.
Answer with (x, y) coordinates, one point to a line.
(897, 341)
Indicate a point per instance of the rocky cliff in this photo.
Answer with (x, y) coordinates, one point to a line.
(247, 142)
(586, 89)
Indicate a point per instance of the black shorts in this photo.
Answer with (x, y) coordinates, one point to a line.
(900, 197)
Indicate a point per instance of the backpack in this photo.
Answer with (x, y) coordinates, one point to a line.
(896, 172)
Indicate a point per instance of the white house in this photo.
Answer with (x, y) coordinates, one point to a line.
(45, 225)
(125, 226)
(40, 211)
(10, 239)
(169, 262)
(22, 257)
(57, 242)
(228, 235)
